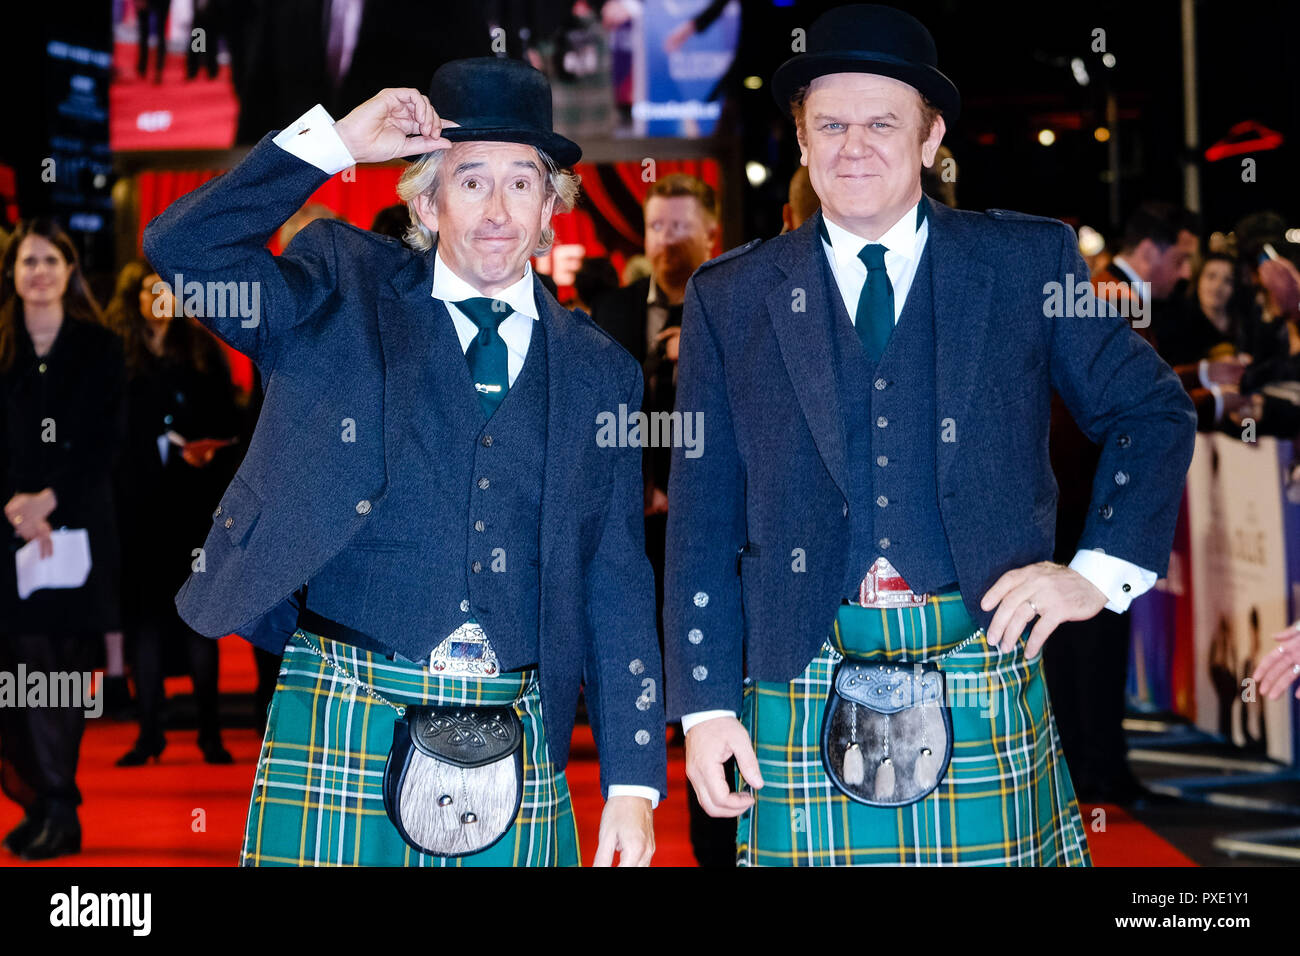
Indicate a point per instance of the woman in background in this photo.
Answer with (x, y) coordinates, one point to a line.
(62, 417)
(182, 419)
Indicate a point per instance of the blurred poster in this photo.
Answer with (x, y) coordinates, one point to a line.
(1240, 590)
(1160, 623)
(687, 47)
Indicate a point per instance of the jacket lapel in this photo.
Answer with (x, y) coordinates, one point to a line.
(571, 406)
(962, 286)
(803, 318)
(416, 335)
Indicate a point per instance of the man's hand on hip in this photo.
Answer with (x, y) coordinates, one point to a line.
(1052, 592)
(709, 745)
(626, 826)
(391, 124)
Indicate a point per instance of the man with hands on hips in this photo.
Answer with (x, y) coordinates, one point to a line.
(460, 383)
(877, 386)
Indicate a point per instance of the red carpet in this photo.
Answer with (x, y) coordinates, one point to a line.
(183, 812)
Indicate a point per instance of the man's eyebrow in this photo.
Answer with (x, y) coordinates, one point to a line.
(821, 117)
(479, 164)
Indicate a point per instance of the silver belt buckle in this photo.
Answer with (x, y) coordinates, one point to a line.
(884, 587)
(465, 653)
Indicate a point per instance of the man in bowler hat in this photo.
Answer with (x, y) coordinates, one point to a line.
(876, 487)
(424, 516)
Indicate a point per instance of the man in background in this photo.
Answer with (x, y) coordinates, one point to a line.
(645, 317)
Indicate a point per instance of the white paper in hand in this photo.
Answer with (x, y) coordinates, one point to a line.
(67, 567)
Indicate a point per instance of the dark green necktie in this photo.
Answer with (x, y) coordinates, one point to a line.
(487, 353)
(875, 318)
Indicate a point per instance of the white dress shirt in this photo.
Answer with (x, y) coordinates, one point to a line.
(516, 330)
(312, 139)
(1116, 578)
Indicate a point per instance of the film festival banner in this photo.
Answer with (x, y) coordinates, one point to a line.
(1233, 581)
(678, 88)
(1242, 585)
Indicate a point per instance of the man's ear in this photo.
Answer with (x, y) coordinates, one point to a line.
(426, 211)
(801, 135)
(930, 148)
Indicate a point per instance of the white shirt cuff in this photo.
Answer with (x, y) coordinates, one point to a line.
(1120, 580)
(628, 790)
(700, 716)
(312, 139)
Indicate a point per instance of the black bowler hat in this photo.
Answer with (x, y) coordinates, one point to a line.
(869, 38)
(499, 100)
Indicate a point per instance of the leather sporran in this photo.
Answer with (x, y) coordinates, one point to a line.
(455, 777)
(887, 734)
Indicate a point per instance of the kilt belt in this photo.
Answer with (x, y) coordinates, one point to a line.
(318, 791)
(1005, 799)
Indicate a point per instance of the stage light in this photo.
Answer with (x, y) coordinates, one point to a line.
(1080, 71)
(1046, 137)
(1293, 235)
(753, 82)
(757, 173)
(1101, 134)
(1108, 60)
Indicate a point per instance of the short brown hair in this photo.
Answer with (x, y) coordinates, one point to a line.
(929, 112)
(683, 184)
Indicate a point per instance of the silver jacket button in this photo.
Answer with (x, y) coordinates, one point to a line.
(701, 599)
(363, 507)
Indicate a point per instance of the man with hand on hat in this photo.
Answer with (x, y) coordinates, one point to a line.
(424, 522)
(858, 574)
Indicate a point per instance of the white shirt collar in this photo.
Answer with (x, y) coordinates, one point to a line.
(1120, 263)
(450, 287)
(899, 239)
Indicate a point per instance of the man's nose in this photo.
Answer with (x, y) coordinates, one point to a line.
(856, 142)
(496, 208)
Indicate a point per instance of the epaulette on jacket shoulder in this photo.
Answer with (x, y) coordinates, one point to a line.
(732, 253)
(1010, 214)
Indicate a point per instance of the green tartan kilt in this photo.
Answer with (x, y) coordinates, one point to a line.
(1005, 800)
(318, 793)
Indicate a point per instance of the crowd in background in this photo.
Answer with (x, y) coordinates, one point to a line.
(140, 430)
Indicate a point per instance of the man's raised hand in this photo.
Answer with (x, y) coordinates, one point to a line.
(391, 124)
